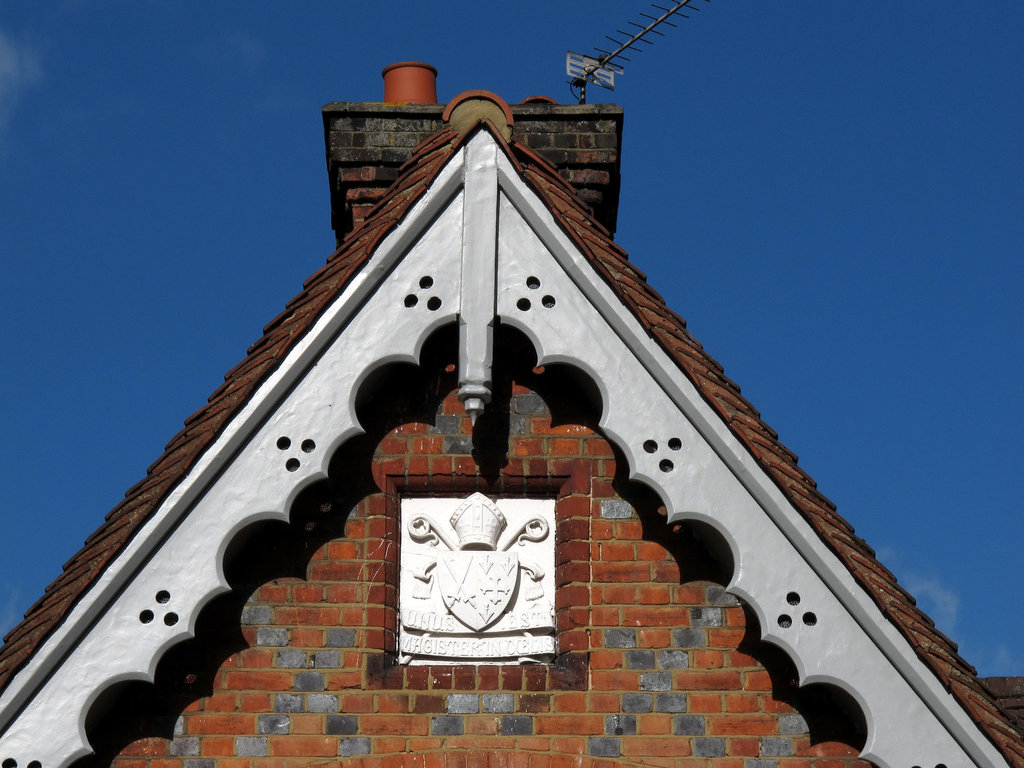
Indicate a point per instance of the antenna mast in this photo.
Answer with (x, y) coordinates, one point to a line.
(602, 70)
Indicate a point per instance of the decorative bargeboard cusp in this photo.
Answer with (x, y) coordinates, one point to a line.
(477, 582)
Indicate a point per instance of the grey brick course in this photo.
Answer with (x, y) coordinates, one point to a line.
(447, 725)
(530, 404)
(458, 444)
(719, 596)
(673, 659)
(342, 725)
(639, 659)
(671, 702)
(656, 681)
(256, 614)
(327, 659)
(620, 725)
(689, 638)
(709, 747)
(620, 638)
(289, 702)
(603, 746)
(350, 747)
(324, 703)
(637, 702)
(184, 747)
(756, 763)
(341, 638)
(463, 704)
(616, 509)
(201, 762)
(498, 702)
(688, 725)
(793, 724)
(291, 658)
(273, 724)
(308, 681)
(516, 725)
(706, 617)
(251, 746)
(446, 424)
(271, 636)
(776, 746)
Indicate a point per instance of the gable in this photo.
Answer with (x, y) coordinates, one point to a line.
(483, 241)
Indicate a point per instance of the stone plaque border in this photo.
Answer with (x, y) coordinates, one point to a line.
(571, 492)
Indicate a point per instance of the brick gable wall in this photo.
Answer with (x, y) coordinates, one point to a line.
(658, 665)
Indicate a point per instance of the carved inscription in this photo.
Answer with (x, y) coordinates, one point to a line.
(477, 581)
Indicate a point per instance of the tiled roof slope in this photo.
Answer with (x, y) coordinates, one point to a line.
(202, 427)
(667, 328)
(723, 395)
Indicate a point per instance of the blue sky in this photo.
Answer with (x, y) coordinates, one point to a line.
(831, 194)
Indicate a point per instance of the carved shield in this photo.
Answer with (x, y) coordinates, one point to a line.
(477, 586)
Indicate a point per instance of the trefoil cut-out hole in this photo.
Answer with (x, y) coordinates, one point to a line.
(650, 446)
(548, 301)
(10, 762)
(810, 620)
(433, 303)
(793, 598)
(308, 446)
(284, 443)
(146, 616)
(291, 465)
(426, 281)
(171, 619)
(666, 465)
(532, 283)
(411, 300)
(675, 443)
(523, 304)
(785, 621)
(163, 596)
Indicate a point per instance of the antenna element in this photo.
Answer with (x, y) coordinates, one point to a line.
(602, 70)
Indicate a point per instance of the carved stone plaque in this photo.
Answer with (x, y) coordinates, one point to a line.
(477, 581)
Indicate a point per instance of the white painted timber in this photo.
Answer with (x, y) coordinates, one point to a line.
(479, 257)
(425, 275)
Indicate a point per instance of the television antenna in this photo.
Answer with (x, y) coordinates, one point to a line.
(603, 69)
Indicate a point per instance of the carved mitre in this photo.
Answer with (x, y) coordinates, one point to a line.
(478, 523)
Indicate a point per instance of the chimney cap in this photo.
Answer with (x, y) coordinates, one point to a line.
(410, 82)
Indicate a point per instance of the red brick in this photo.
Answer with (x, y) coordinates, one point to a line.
(657, 746)
(221, 724)
(302, 746)
(259, 681)
(408, 725)
(561, 724)
(741, 725)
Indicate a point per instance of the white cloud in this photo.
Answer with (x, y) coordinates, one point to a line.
(236, 49)
(244, 47)
(9, 604)
(19, 68)
(935, 599)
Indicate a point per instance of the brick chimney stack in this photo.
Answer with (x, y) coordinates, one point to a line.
(368, 142)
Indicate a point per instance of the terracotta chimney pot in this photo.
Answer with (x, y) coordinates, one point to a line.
(410, 82)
